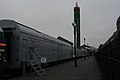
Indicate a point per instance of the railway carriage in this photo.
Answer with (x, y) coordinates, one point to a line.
(20, 39)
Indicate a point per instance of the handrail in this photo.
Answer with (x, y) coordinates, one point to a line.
(38, 61)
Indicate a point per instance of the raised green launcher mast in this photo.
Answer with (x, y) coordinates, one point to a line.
(77, 22)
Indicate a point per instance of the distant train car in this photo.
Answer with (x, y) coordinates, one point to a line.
(20, 39)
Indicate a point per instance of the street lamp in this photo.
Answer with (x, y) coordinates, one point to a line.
(75, 42)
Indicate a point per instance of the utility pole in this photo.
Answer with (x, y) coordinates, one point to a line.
(84, 49)
(84, 41)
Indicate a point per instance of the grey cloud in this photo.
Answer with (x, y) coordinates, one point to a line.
(54, 17)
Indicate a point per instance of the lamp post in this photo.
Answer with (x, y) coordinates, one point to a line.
(75, 32)
(84, 49)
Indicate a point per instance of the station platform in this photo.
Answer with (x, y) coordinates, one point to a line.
(86, 70)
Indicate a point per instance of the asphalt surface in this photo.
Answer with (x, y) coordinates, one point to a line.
(86, 70)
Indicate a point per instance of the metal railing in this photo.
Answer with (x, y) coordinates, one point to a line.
(109, 62)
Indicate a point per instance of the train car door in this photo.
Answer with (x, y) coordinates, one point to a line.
(24, 49)
(7, 35)
(30, 46)
(26, 46)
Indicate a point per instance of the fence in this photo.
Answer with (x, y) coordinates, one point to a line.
(108, 58)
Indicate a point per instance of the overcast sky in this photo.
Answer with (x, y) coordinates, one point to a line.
(54, 17)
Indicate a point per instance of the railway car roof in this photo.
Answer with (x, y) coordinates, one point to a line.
(28, 30)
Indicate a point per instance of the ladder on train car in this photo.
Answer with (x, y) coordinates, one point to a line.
(36, 64)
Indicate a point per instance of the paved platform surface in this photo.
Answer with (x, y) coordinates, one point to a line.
(86, 70)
